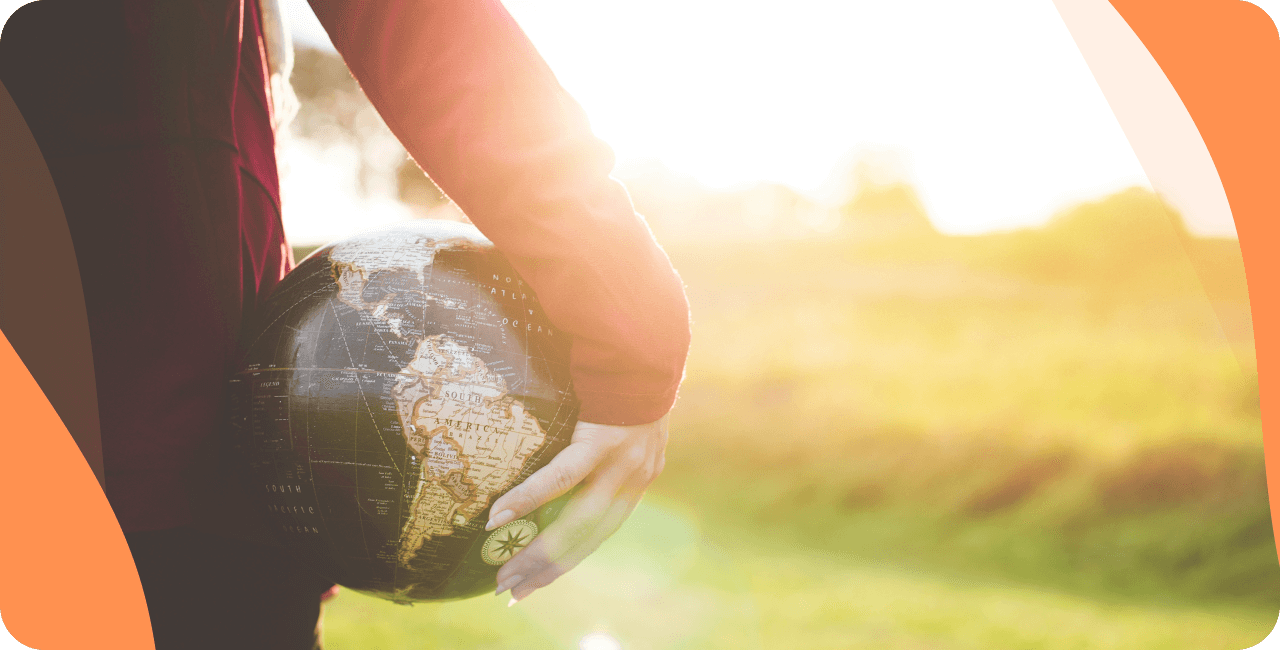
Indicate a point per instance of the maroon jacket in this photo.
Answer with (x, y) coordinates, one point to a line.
(154, 119)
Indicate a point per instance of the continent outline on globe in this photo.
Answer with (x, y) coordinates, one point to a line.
(460, 428)
(405, 381)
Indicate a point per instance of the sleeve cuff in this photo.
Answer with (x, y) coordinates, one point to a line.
(621, 409)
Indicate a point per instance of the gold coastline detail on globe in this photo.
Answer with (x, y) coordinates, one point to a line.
(394, 385)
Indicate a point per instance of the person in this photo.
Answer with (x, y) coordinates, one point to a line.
(156, 120)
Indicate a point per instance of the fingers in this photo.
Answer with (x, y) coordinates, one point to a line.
(564, 471)
(590, 445)
(608, 525)
(547, 573)
(615, 465)
(580, 531)
(575, 523)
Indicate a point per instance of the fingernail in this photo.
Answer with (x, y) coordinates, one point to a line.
(511, 602)
(508, 583)
(499, 519)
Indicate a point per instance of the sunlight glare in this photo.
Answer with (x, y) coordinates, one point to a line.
(599, 641)
(990, 105)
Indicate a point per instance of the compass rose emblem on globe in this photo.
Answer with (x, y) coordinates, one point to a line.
(507, 540)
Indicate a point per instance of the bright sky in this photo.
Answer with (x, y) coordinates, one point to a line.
(989, 105)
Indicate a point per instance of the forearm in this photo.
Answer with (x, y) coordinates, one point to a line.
(475, 105)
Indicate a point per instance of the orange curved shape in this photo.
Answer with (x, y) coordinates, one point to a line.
(1223, 58)
(67, 579)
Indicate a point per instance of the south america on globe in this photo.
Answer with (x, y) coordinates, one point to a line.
(394, 385)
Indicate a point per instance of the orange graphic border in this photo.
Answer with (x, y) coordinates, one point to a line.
(66, 577)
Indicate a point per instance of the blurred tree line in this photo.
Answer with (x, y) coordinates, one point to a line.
(335, 112)
(1129, 241)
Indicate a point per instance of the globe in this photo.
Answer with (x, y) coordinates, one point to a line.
(394, 385)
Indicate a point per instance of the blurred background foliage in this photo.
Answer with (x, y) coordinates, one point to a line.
(891, 438)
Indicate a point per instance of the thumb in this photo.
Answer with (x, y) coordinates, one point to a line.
(564, 471)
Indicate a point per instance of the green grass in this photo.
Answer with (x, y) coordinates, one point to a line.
(1043, 439)
(1096, 436)
(665, 581)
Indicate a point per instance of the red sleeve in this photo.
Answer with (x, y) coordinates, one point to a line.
(476, 106)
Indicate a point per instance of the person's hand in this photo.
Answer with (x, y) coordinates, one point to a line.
(614, 464)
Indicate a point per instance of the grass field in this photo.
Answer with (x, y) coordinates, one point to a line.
(652, 587)
(1046, 439)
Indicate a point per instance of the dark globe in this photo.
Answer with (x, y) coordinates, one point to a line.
(396, 383)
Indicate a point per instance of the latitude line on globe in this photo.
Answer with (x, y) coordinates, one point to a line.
(391, 357)
(427, 272)
(282, 314)
(338, 323)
